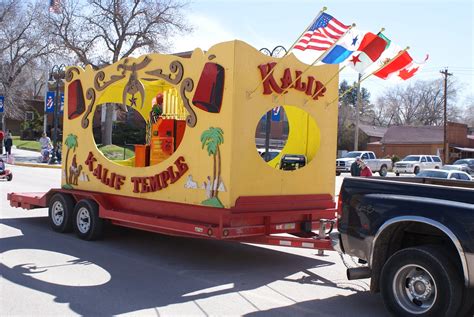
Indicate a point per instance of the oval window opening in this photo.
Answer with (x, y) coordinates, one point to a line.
(141, 138)
(287, 138)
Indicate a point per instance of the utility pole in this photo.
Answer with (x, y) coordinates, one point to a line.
(356, 134)
(445, 141)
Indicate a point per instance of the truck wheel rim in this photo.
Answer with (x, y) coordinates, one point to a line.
(414, 289)
(57, 213)
(83, 220)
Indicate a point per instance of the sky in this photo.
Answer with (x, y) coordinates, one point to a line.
(442, 29)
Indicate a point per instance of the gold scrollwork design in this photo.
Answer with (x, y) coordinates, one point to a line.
(90, 95)
(70, 73)
(186, 86)
(176, 68)
(100, 76)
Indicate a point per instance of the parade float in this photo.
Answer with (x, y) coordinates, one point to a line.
(198, 173)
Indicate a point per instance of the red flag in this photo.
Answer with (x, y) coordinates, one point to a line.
(410, 70)
(370, 49)
(398, 63)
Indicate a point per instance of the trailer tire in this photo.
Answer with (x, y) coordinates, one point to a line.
(421, 281)
(87, 224)
(60, 212)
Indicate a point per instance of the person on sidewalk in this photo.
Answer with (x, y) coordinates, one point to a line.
(2, 136)
(355, 169)
(365, 170)
(9, 143)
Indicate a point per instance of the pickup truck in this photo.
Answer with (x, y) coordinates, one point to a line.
(382, 166)
(416, 239)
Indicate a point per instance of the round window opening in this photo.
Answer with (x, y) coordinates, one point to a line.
(139, 138)
(287, 138)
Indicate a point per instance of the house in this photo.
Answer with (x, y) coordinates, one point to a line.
(406, 140)
(373, 133)
(34, 109)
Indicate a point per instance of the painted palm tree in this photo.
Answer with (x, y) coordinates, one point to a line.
(71, 143)
(211, 139)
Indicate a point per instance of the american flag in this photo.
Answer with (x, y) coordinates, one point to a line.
(324, 32)
(55, 6)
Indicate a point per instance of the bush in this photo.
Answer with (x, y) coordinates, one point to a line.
(394, 159)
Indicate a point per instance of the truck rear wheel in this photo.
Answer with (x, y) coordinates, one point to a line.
(60, 212)
(383, 171)
(421, 281)
(338, 173)
(87, 224)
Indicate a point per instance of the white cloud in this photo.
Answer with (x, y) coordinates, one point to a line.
(207, 32)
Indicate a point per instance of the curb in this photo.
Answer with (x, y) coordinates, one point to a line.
(36, 165)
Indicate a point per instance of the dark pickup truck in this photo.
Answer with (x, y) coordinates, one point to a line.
(415, 239)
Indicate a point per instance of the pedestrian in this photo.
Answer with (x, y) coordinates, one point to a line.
(2, 136)
(8, 143)
(45, 141)
(355, 168)
(365, 170)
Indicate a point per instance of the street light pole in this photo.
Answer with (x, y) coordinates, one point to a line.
(56, 81)
(276, 52)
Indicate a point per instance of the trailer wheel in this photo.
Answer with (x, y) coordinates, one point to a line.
(383, 171)
(60, 212)
(421, 281)
(87, 224)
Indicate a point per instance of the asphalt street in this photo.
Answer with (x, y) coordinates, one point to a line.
(130, 272)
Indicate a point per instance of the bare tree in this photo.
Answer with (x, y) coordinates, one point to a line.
(23, 43)
(420, 103)
(102, 32)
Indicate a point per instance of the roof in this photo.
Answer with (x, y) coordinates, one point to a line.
(413, 135)
(372, 130)
(464, 149)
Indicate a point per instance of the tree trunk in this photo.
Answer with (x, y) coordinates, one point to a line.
(65, 165)
(213, 192)
(107, 125)
(218, 170)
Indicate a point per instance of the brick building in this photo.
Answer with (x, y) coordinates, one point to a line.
(405, 140)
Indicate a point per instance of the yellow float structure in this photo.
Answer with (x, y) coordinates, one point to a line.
(212, 95)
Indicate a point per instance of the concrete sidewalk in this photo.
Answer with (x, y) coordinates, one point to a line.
(28, 158)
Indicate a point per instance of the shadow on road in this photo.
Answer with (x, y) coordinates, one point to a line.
(150, 270)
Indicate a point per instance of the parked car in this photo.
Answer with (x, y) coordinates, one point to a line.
(414, 237)
(413, 164)
(382, 166)
(465, 165)
(442, 173)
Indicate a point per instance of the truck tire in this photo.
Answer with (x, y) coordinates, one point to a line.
(87, 224)
(383, 171)
(398, 174)
(421, 281)
(417, 170)
(9, 177)
(338, 173)
(60, 212)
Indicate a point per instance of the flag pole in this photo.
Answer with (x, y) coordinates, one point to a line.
(312, 64)
(388, 63)
(249, 94)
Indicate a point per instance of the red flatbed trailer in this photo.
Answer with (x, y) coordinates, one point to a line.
(255, 219)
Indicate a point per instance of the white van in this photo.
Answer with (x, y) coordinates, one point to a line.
(413, 164)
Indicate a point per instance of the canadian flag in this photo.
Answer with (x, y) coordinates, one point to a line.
(410, 70)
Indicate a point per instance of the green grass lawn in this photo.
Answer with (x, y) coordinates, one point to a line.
(115, 152)
(26, 144)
